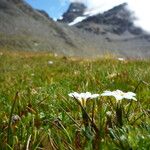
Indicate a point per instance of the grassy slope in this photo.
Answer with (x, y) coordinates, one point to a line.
(50, 119)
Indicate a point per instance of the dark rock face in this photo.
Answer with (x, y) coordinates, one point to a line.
(116, 20)
(75, 10)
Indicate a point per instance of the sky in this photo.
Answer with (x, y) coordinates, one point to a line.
(55, 8)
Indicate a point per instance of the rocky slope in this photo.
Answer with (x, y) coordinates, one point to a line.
(115, 31)
(24, 28)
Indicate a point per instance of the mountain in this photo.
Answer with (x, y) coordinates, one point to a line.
(25, 28)
(75, 10)
(117, 20)
(112, 30)
(87, 35)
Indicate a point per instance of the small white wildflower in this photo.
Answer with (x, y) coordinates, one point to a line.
(83, 97)
(42, 115)
(32, 74)
(50, 62)
(76, 72)
(15, 118)
(108, 113)
(121, 59)
(55, 54)
(113, 75)
(33, 91)
(119, 95)
(122, 137)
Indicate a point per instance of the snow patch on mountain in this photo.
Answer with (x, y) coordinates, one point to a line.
(90, 12)
(77, 20)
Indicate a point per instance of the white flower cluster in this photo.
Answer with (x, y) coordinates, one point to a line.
(118, 94)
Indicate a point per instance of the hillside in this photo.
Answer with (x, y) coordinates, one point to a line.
(25, 28)
(114, 30)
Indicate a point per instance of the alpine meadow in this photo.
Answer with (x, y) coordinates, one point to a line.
(80, 82)
(37, 111)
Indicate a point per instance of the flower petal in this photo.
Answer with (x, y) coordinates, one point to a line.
(83, 96)
(94, 95)
(128, 96)
(107, 93)
(131, 93)
(119, 95)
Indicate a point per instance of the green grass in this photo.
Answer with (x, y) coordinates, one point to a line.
(49, 119)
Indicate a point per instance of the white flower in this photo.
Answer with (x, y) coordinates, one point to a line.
(121, 59)
(15, 118)
(108, 113)
(50, 62)
(55, 54)
(33, 91)
(32, 74)
(83, 97)
(119, 95)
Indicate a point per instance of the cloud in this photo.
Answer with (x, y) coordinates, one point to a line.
(140, 8)
(142, 11)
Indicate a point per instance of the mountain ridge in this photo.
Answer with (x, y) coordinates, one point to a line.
(25, 28)
(115, 30)
(119, 17)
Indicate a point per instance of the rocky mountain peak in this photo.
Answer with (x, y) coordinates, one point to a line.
(116, 20)
(75, 10)
(112, 16)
